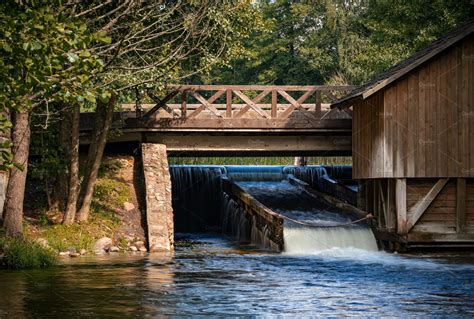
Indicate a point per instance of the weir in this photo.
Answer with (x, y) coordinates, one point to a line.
(268, 207)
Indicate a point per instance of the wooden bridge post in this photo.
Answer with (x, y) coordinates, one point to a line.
(274, 104)
(184, 96)
(317, 109)
(228, 108)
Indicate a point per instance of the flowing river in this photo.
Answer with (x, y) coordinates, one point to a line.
(210, 276)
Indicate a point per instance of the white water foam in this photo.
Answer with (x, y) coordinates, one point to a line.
(306, 241)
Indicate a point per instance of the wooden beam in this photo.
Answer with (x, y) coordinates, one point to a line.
(160, 104)
(296, 104)
(460, 205)
(206, 103)
(342, 125)
(222, 143)
(274, 103)
(420, 207)
(401, 204)
(344, 88)
(252, 103)
(228, 104)
(184, 96)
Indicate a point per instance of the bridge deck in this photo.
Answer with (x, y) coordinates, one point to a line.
(229, 119)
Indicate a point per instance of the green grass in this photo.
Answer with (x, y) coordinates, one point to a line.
(256, 160)
(110, 191)
(79, 236)
(21, 253)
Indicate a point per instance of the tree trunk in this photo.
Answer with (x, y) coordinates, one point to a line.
(16, 185)
(73, 164)
(300, 161)
(61, 187)
(103, 122)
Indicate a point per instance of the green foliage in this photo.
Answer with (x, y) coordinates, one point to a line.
(111, 191)
(338, 42)
(46, 57)
(22, 253)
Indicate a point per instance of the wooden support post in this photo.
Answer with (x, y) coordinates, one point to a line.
(391, 212)
(274, 103)
(317, 110)
(460, 205)
(184, 95)
(401, 204)
(228, 110)
(361, 194)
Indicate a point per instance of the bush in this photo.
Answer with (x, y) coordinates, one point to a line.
(20, 253)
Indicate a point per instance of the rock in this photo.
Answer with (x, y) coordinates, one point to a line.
(142, 249)
(82, 251)
(43, 242)
(133, 248)
(128, 206)
(63, 253)
(139, 244)
(114, 249)
(74, 254)
(102, 245)
(72, 250)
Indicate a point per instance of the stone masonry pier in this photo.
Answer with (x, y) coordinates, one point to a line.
(159, 212)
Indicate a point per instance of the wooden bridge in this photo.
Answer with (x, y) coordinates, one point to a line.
(250, 119)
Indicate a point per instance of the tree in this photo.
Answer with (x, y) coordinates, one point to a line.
(45, 58)
(153, 44)
(337, 42)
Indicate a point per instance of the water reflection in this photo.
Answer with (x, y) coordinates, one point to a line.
(209, 276)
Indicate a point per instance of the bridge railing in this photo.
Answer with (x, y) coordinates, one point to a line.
(244, 101)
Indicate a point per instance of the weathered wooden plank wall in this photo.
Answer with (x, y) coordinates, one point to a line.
(422, 125)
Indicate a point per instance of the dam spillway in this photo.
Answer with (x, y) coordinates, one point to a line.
(260, 206)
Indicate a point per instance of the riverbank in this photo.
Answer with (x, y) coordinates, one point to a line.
(116, 220)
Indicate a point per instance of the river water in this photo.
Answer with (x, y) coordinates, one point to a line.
(210, 276)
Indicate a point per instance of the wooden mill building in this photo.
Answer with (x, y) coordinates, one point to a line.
(413, 145)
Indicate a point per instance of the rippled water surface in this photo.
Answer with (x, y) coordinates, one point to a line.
(209, 276)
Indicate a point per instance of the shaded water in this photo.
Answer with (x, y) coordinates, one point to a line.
(212, 277)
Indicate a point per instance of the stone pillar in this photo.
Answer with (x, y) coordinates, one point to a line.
(159, 212)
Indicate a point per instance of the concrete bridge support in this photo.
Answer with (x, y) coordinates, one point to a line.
(159, 212)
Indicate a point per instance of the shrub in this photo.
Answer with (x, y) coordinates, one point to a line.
(20, 253)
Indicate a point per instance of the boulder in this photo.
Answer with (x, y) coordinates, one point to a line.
(102, 245)
(63, 253)
(82, 251)
(128, 206)
(142, 249)
(133, 248)
(114, 249)
(72, 250)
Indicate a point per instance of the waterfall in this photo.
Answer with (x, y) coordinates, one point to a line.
(199, 204)
(234, 222)
(304, 240)
(243, 229)
(196, 192)
(308, 174)
(255, 173)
